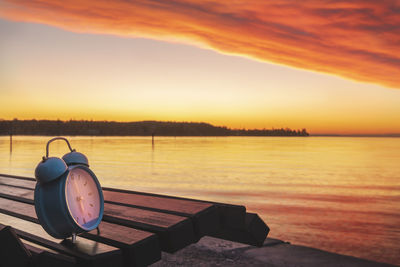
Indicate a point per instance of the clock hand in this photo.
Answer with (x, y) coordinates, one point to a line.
(81, 205)
(80, 198)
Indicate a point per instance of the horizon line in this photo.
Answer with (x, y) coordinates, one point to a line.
(394, 134)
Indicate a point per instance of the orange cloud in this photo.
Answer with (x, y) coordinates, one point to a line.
(359, 40)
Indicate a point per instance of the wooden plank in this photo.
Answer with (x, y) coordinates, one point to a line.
(204, 215)
(86, 252)
(17, 177)
(24, 182)
(254, 234)
(174, 232)
(45, 257)
(139, 248)
(17, 193)
(231, 216)
(12, 252)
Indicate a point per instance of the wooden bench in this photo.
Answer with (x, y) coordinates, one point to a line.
(136, 227)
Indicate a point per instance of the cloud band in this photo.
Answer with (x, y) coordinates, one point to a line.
(359, 40)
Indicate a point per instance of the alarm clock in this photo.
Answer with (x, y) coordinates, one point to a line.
(68, 197)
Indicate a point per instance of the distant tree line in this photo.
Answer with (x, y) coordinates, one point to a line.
(140, 128)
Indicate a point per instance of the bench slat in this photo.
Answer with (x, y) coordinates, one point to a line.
(17, 193)
(139, 248)
(174, 232)
(204, 215)
(25, 182)
(232, 216)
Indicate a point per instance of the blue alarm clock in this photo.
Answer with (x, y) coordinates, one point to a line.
(68, 196)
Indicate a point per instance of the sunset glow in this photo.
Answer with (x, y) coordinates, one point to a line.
(330, 68)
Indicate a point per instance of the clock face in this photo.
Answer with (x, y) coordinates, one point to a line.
(83, 199)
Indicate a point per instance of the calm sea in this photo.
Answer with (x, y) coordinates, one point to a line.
(340, 194)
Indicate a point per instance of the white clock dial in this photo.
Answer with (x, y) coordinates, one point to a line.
(83, 199)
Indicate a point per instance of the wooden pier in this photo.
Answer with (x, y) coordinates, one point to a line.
(136, 227)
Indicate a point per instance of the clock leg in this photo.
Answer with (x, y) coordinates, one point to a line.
(73, 238)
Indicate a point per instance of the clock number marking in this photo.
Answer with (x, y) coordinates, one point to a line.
(91, 205)
(90, 193)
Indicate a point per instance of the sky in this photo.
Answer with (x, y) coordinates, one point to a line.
(327, 66)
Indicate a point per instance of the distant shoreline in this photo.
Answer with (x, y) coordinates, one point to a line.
(147, 128)
(356, 135)
(140, 128)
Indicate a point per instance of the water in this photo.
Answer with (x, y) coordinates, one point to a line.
(339, 194)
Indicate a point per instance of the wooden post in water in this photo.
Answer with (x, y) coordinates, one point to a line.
(11, 133)
(10, 142)
(152, 140)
